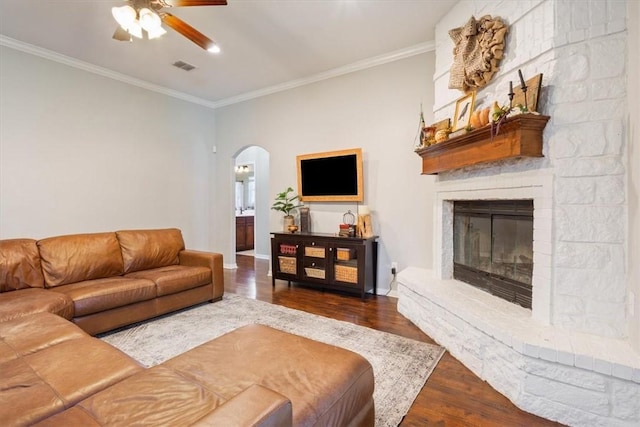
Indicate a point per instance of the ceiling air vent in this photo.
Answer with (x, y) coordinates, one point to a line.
(183, 65)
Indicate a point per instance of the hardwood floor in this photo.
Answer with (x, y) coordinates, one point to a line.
(452, 396)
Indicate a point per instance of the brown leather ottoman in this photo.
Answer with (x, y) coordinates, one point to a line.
(327, 385)
(243, 378)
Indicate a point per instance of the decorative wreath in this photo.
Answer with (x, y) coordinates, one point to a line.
(479, 47)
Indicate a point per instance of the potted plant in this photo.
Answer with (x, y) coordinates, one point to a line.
(285, 204)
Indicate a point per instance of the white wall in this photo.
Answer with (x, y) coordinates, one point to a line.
(376, 109)
(81, 153)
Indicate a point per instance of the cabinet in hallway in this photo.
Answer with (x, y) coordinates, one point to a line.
(244, 233)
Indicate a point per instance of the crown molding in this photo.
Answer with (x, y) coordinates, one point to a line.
(105, 72)
(356, 66)
(350, 68)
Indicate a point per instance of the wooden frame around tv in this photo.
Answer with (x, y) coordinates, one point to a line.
(359, 197)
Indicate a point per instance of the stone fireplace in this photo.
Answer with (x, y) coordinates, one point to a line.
(493, 247)
(567, 357)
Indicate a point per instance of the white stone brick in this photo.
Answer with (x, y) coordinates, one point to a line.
(566, 358)
(556, 411)
(609, 165)
(597, 12)
(610, 190)
(576, 191)
(575, 68)
(584, 112)
(611, 88)
(587, 400)
(581, 255)
(605, 224)
(584, 361)
(580, 15)
(582, 140)
(615, 135)
(567, 375)
(570, 304)
(626, 400)
(572, 94)
(608, 58)
(602, 366)
(622, 371)
(616, 10)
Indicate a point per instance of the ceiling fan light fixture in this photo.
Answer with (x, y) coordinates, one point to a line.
(135, 29)
(214, 48)
(124, 15)
(149, 20)
(154, 33)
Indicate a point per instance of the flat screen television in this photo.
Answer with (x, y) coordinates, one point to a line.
(333, 176)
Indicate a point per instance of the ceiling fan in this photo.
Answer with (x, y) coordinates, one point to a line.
(145, 17)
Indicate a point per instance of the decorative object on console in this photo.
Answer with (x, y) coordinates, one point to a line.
(292, 228)
(284, 203)
(348, 228)
(365, 229)
(464, 108)
(305, 219)
(479, 47)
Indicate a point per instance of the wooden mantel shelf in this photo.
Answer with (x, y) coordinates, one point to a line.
(520, 136)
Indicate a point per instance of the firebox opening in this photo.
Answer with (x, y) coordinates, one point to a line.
(493, 247)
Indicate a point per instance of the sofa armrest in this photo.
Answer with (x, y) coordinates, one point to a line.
(257, 406)
(211, 260)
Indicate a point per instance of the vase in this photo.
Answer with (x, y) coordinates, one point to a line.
(288, 220)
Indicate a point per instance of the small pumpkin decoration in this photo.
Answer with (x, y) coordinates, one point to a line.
(474, 120)
(442, 135)
(484, 116)
(479, 118)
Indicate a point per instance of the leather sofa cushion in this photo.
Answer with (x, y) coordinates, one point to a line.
(28, 301)
(147, 249)
(174, 278)
(156, 396)
(78, 257)
(94, 296)
(49, 368)
(319, 395)
(20, 265)
(36, 332)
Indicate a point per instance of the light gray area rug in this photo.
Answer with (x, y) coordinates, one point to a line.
(401, 366)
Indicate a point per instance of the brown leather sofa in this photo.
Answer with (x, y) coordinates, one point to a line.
(104, 281)
(54, 374)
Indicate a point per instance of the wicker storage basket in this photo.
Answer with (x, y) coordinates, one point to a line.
(344, 254)
(314, 251)
(287, 264)
(316, 273)
(345, 273)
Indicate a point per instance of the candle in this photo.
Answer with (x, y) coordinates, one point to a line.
(510, 86)
(522, 85)
(364, 210)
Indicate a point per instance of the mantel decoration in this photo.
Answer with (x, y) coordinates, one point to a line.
(465, 106)
(479, 47)
(285, 204)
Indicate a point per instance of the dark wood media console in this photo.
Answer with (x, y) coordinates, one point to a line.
(326, 261)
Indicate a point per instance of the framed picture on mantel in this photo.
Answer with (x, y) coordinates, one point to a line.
(464, 109)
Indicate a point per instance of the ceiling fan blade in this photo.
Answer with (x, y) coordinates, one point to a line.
(122, 34)
(188, 31)
(182, 3)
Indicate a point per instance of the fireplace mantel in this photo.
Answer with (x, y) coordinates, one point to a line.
(519, 136)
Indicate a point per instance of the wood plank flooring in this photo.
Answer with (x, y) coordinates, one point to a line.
(452, 396)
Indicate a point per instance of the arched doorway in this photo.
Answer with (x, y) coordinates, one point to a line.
(251, 201)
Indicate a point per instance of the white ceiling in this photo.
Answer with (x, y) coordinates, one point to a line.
(266, 44)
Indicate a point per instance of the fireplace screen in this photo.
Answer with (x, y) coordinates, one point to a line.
(493, 247)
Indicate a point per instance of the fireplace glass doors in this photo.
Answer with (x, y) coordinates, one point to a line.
(493, 247)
